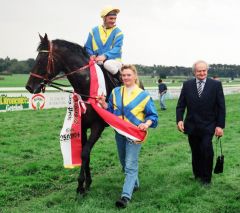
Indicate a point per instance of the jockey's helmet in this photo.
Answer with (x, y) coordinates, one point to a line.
(109, 10)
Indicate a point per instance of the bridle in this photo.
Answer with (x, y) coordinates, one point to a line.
(50, 64)
(50, 69)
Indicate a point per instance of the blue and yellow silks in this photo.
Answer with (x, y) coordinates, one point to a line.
(105, 41)
(138, 107)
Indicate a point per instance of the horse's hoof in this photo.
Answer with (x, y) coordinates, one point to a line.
(87, 187)
(81, 191)
(88, 184)
(80, 195)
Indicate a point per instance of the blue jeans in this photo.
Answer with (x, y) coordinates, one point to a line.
(162, 101)
(128, 155)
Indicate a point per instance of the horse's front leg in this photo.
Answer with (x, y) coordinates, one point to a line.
(81, 178)
(96, 131)
(85, 180)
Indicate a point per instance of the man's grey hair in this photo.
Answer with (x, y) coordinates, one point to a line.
(198, 62)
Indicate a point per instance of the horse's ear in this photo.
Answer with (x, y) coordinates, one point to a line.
(41, 38)
(45, 37)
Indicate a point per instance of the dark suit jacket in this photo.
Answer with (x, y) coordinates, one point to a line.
(204, 114)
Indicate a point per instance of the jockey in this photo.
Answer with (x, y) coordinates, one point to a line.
(104, 42)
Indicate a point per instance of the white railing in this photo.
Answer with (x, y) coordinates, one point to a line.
(17, 98)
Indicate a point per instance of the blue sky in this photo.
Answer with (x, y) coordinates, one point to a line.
(172, 32)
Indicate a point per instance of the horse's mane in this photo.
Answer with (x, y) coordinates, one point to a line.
(72, 47)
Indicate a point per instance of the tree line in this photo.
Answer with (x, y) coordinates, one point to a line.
(219, 70)
(13, 66)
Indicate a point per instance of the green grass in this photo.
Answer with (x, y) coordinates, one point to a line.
(32, 178)
(16, 80)
(19, 80)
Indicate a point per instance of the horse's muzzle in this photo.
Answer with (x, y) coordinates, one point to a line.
(29, 89)
(40, 88)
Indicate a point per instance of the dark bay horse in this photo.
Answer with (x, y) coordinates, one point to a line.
(62, 56)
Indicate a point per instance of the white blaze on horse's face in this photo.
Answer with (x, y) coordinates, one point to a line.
(128, 77)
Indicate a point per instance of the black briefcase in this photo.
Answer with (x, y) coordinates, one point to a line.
(220, 159)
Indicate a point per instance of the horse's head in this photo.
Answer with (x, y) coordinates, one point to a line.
(43, 69)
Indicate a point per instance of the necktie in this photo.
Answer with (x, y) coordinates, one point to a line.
(200, 88)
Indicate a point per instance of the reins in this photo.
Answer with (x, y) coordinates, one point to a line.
(53, 84)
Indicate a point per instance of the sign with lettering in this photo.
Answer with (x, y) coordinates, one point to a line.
(13, 103)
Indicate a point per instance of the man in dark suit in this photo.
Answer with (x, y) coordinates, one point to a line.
(204, 100)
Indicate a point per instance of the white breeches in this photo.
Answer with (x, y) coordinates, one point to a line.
(113, 66)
